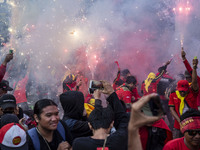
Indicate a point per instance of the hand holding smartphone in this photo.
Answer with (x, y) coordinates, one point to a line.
(94, 85)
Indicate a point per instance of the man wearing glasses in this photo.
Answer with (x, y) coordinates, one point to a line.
(190, 127)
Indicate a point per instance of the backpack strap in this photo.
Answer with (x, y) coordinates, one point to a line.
(34, 137)
(70, 123)
(61, 130)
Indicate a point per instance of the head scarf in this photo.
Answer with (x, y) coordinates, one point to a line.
(149, 79)
(191, 123)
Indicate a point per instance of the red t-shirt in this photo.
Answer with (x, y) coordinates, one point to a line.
(135, 94)
(189, 69)
(124, 94)
(191, 100)
(176, 144)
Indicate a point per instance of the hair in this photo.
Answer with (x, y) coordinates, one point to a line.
(39, 105)
(125, 72)
(101, 117)
(131, 79)
(190, 113)
(8, 118)
(187, 74)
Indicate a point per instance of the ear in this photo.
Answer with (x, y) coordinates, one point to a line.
(1, 111)
(36, 118)
(112, 124)
(90, 126)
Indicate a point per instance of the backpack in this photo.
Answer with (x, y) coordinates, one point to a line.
(35, 139)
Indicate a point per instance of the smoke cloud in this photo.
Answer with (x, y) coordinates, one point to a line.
(52, 37)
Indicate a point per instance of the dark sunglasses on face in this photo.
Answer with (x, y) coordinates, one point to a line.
(193, 132)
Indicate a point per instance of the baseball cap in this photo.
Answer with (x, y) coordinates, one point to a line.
(182, 85)
(13, 136)
(7, 100)
(4, 84)
(8, 118)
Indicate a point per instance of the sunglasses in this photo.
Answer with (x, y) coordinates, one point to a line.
(193, 132)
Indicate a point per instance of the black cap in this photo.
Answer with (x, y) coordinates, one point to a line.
(8, 118)
(7, 100)
(125, 72)
(4, 84)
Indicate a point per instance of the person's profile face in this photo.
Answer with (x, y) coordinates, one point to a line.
(49, 118)
(132, 86)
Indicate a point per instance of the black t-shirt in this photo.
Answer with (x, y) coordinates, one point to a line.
(57, 139)
(116, 141)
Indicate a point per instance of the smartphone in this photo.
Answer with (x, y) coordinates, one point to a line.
(10, 51)
(154, 107)
(91, 90)
(94, 85)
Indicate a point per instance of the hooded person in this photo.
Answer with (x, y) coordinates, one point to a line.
(73, 106)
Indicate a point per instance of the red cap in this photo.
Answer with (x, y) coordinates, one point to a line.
(183, 85)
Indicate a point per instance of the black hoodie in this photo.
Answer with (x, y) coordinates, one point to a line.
(73, 106)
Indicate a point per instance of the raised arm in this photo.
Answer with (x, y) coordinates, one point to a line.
(137, 120)
(4, 64)
(195, 85)
(185, 61)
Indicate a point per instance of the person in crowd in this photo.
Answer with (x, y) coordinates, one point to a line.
(138, 120)
(162, 85)
(50, 133)
(13, 136)
(101, 120)
(150, 84)
(74, 115)
(172, 87)
(8, 118)
(188, 77)
(8, 104)
(155, 136)
(124, 92)
(190, 127)
(189, 69)
(121, 78)
(69, 83)
(7, 59)
(4, 87)
(183, 98)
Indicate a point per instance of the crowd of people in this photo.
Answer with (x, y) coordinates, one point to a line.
(166, 115)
